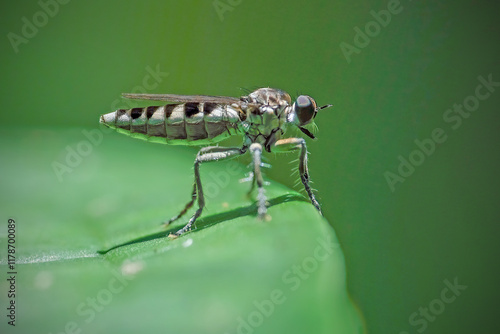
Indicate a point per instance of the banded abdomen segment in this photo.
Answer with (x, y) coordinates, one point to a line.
(188, 122)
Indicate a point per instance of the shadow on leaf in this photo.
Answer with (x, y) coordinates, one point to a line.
(204, 222)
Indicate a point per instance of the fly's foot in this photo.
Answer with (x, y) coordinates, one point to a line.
(265, 217)
(173, 219)
(262, 205)
(168, 222)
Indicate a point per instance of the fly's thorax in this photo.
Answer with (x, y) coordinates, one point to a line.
(270, 113)
(266, 116)
(269, 96)
(264, 125)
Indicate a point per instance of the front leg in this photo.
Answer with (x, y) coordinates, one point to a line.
(291, 144)
(256, 151)
(206, 154)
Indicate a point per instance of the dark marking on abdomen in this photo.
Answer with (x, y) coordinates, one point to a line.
(120, 112)
(136, 112)
(150, 111)
(138, 120)
(168, 110)
(191, 108)
(208, 107)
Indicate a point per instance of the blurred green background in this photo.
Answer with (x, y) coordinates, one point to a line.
(400, 244)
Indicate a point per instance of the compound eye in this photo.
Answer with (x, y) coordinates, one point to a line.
(305, 108)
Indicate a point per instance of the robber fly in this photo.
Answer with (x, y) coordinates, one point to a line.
(261, 117)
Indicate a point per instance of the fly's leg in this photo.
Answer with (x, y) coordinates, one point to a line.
(256, 151)
(250, 178)
(291, 144)
(207, 154)
(193, 193)
(186, 208)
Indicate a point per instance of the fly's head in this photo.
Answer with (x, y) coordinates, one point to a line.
(303, 112)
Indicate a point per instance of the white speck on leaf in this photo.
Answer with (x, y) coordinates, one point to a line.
(132, 268)
(187, 243)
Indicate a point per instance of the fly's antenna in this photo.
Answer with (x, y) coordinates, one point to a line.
(324, 107)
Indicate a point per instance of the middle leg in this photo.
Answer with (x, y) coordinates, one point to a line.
(207, 154)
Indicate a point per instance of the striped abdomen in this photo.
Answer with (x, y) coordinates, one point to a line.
(188, 123)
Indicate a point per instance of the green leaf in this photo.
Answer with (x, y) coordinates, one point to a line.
(91, 254)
